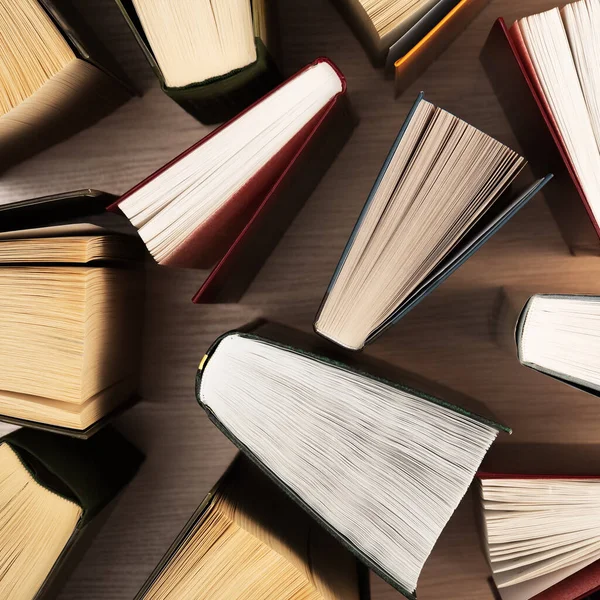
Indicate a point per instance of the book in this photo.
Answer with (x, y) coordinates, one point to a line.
(248, 540)
(70, 309)
(55, 77)
(350, 447)
(213, 59)
(554, 111)
(442, 192)
(55, 493)
(428, 38)
(226, 201)
(538, 535)
(555, 335)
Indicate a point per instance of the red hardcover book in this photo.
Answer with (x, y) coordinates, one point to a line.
(516, 85)
(575, 585)
(239, 236)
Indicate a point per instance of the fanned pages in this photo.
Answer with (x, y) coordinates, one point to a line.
(36, 524)
(47, 91)
(189, 213)
(539, 532)
(560, 336)
(382, 466)
(195, 40)
(251, 542)
(440, 195)
(53, 492)
(562, 49)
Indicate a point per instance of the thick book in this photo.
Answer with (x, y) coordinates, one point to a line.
(443, 191)
(57, 77)
(55, 492)
(71, 293)
(538, 535)
(248, 540)
(556, 335)
(226, 201)
(358, 448)
(427, 39)
(214, 60)
(551, 112)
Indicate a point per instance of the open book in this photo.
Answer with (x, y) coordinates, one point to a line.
(557, 335)
(380, 465)
(249, 540)
(53, 82)
(441, 193)
(227, 200)
(540, 534)
(52, 491)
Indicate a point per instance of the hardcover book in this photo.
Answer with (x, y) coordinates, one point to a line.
(358, 448)
(557, 335)
(428, 38)
(539, 535)
(551, 100)
(213, 59)
(55, 492)
(56, 77)
(226, 201)
(70, 296)
(248, 540)
(443, 191)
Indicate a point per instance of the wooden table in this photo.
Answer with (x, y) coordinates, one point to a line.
(445, 338)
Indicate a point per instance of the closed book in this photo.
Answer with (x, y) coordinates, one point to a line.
(556, 335)
(221, 97)
(64, 489)
(70, 308)
(510, 69)
(403, 246)
(70, 82)
(225, 202)
(533, 536)
(262, 546)
(349, 447)
(414, 52)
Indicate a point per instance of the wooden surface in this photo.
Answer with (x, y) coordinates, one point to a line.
(445, 338)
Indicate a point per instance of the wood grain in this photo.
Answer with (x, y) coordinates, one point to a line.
(445, 338)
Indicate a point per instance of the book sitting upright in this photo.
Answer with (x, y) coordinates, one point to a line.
(54, 496)
(70, 319)
(442, 192)
(380, 465)
(213, 58)
(558, 335)
(540, 535)
(249, 541)
(226, 201)
(55, 79)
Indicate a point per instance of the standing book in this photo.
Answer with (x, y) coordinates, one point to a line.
(247, 540)
(443, 191)
(350, 448)
(71, 290)
(544, 73)
(55, 76)
(539, 535)
(213, 59)
(557, 335)
(225, 202)
(55, 493)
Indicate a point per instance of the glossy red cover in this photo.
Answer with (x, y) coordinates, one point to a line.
(576, 586)
(515, 82)
(230, 236)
